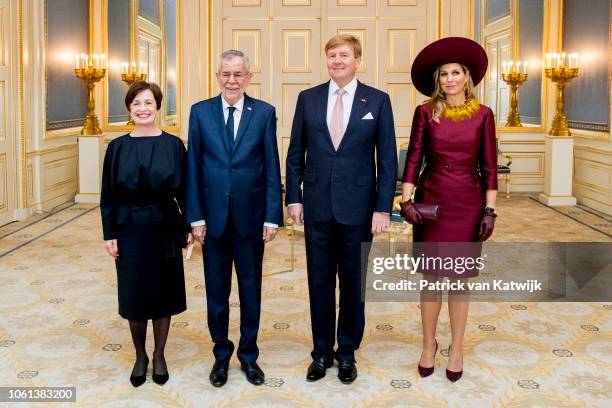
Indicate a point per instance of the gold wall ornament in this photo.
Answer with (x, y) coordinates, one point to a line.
(90, 70)
(561, 69)
(514, 78)
(129, 75)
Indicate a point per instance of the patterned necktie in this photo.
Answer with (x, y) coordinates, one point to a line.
(229, 127)
(337, 120)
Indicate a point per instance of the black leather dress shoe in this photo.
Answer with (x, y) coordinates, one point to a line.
(347, 372)
(254, 374)
(218, 374)
(316, 369)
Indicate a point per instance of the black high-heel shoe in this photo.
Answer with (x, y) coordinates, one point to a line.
(160, 379)
(138, 380)
(427, 371)
(454, 375)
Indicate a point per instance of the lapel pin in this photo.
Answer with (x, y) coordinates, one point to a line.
(363, 100)
(249, 108)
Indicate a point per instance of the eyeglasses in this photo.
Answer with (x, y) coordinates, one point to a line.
(237, 75)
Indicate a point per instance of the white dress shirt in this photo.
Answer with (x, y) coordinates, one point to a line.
(347, 101)
(237, 113)
(237, 116)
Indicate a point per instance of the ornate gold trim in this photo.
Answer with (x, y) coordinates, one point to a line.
(4, 205)
(60, 133)
(209, 47)
(22, 135)
(594, 150)
(44, 152)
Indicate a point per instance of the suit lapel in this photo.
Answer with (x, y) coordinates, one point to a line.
(220, 121)
(323, 99)
(245, 118)
(358, 109)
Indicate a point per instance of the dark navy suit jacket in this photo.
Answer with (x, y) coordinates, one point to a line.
(248, 177)
(357, 179)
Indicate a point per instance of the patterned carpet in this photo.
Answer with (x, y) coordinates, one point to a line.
(60, 328)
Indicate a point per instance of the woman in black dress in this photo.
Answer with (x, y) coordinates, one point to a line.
(142, 219)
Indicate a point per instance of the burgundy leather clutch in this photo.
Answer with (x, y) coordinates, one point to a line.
(429, 212)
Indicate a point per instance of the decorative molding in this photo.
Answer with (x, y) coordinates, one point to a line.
(291, 3)
(406, 40)
(595, 127)
(239, 35)
(44, 152)
(290, 92)
(4, 188)
(351, 2)
(246, 3)
(289, 48)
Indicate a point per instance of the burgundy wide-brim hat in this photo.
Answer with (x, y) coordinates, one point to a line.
(448, 50)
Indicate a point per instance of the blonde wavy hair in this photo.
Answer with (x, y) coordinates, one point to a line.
(438, 98)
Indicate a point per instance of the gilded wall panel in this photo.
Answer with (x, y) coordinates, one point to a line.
(593, 174)
(401, 48)
(289, 3)
(59, 175)
(296, 50)
(254, 90)
(527, 165)
(249, 42)
(290, 94)
(3, 46)
(4, 178)
(347, 9)
(304, 9)
(3, 107)
(245, 8)
(403, 99)
(405, 9)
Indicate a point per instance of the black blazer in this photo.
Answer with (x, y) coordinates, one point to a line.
(359, 178)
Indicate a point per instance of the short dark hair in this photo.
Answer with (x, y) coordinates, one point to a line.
(139, 86)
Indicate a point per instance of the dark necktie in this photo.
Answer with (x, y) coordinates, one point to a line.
(229, 127)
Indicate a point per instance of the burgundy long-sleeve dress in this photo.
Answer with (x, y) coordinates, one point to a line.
(460, 165)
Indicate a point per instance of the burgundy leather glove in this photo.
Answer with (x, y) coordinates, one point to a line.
(410, 213)
(487, 224)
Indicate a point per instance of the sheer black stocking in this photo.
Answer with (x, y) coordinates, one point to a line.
(160, 331)
(138, 328)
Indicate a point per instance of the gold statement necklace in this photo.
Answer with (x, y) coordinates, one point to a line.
(456, 113)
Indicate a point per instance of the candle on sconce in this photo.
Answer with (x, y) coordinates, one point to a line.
(525, 67)
(76, 61)
(95, 61)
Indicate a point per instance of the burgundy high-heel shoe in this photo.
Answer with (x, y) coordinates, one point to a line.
(454, 375)
(427, 371)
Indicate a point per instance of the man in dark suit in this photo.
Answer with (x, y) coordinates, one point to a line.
(233, 202)
(343, 150)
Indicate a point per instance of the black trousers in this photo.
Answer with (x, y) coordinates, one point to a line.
(333, 248)
(220, 253)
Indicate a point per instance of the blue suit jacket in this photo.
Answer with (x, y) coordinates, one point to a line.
(248, 176)
(359, 178)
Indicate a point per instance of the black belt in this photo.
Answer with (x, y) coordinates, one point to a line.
(461, 167)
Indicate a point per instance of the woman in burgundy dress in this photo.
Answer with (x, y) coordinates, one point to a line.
(454, 137)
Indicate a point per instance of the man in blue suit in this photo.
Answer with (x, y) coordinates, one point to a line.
(343, 150)
(233, 202)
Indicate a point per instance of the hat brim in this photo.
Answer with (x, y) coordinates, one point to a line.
(448, 50)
